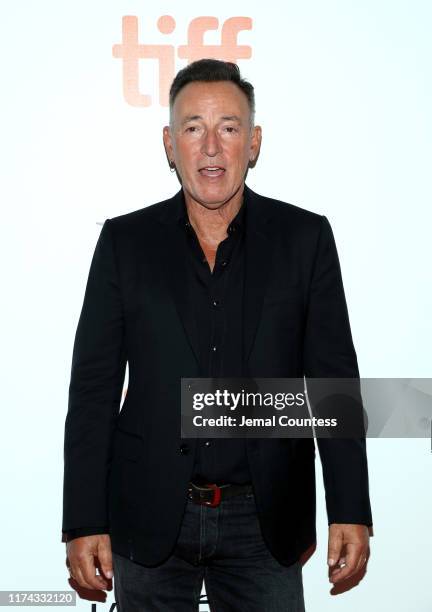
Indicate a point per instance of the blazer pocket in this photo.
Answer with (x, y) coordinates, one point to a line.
(126, 445)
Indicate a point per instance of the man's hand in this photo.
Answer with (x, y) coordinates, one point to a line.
(348, 546)
(81, 560)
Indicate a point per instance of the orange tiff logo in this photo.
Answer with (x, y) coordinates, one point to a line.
(131, 52)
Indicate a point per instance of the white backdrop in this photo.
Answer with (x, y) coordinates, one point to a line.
(343, 94)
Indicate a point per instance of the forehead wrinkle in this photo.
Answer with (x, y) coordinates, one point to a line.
(191, 118)
(222, 118)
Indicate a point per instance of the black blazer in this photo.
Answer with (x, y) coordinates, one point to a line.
(130, 469)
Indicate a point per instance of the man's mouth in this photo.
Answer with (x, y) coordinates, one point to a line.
(212, 171)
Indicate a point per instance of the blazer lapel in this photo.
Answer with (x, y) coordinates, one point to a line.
(258, 252)
(173, 245)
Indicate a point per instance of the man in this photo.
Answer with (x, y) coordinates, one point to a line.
(216, 281)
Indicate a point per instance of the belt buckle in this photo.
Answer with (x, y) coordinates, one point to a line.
(216, 496)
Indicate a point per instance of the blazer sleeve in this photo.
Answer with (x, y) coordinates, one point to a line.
(96, 383)
(68, 536)
(329, 352)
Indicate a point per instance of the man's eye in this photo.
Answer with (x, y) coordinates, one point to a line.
(230, 129)
(191, 128)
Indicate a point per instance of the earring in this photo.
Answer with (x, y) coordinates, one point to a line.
(172, 166)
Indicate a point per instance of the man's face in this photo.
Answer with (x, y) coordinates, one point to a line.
(210, 128)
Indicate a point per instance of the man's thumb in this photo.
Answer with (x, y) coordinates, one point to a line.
(105, 560)
(334, 547)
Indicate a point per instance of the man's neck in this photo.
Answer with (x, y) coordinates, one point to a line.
(211, 225)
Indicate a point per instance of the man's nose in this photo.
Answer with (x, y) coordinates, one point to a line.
(211, 144)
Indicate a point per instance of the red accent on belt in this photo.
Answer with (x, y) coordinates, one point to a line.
(216, 496)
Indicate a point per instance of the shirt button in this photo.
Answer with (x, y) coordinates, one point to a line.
(207, 443)
(214, 348)
(216, 303)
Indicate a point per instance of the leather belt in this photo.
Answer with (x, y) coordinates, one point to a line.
(211, 494)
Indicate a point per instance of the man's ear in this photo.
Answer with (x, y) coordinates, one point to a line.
(255, 143)
(166, 135)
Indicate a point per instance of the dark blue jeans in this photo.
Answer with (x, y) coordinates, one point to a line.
(222, 546)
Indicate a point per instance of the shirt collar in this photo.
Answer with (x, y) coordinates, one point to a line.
(238, 222)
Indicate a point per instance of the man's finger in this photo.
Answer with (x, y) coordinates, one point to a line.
(79, 578)
(88, 569)
(354, 554)
(362, 561)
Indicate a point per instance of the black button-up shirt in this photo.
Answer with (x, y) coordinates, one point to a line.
(218, 302)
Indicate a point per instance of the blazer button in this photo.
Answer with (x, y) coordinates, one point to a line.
(184, 449)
